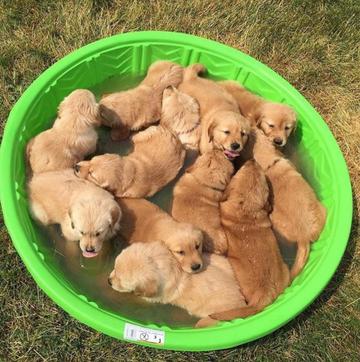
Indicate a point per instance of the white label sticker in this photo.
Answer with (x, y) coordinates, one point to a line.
(143, 334)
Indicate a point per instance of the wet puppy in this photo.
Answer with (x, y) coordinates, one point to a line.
(141, 106)
(181, 114)
(151, 272)
(143, 221)
(222, 125)
(71, 138)
(197, 195)
(297, 216)
(85, 212)
(156, 159)
(278, 121)
(253, 251)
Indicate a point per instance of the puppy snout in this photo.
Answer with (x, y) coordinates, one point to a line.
(90, 249)
(278, 141)
(196, 267)
(235, 146)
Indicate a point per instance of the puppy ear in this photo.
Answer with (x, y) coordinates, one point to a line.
(119, 133)
(294, 129)
(211, 127)
(115, 215)
(257, 117)
(70, 211)
(104, 95)
(147, 290)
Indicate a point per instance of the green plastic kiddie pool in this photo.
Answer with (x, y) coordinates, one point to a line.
(321, 161)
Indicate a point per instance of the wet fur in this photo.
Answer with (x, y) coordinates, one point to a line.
(297, 215)
(253, 251)
(78, 206)
(219, 112)
(141, 106)
(145, 222)
(278, 121)
(197, 195)
(151, 272)
(71, 138)
(181, 114)
(156, 159)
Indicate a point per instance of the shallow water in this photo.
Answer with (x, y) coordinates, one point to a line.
(89, 276)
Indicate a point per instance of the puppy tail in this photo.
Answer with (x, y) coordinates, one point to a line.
(302, 255)
(194, 70)
(173, 76)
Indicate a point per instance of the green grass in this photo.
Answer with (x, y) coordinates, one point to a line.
(313, 44)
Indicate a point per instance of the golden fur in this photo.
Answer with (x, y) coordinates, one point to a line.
(71, 138)
(85, 212)
(181, 114)
(143, 221)
(297, 215)
(196, 197)
(278, 121)
(156, 159)
(222, 125)
(150, 271)
(253, 251)
(141, 106)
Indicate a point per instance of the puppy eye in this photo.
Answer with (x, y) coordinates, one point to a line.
(82, 233)
(243, 133)
(181, 252)
(227, 132)
(91, 175)
(271, 126)
(98, 233)
(197, 247)
(287, 128)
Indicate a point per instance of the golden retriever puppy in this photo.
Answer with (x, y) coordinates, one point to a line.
(85, 212)
(297, 215)
(156, 159)
(197, 195)
(71, 138)
(253, 251)
(278, 121)
(141, 106)
(222, 125)
(152, 273)
(143, 221)
(181, 114)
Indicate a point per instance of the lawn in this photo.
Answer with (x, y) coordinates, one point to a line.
(314, 45)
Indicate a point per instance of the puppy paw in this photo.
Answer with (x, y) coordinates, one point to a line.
(206, 322)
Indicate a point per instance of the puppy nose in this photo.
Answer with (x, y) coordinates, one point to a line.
(90, 250)
(278, 141)
(77, 168)
(109, 281)
(235, 146)
(195, 267)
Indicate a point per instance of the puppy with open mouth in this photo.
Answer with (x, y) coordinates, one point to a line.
(278, 121)
(86, 213)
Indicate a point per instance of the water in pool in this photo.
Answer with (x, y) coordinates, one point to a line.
(89, 276)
